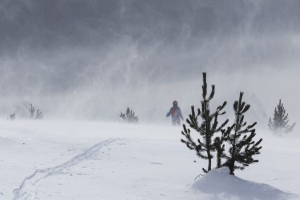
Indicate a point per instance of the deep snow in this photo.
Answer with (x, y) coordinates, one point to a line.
(222, 185)
(96, 160)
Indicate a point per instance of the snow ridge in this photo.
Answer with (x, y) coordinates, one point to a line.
(26, 189)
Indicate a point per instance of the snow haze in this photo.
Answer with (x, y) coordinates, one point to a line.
(93, 59)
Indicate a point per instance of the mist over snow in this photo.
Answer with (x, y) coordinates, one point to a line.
(92, 59)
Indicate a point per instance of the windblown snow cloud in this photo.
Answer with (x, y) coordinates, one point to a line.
(92, 59)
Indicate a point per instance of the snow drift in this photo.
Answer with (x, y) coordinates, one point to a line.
(225, 186)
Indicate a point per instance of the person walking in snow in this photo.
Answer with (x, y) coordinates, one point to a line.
(175, 111)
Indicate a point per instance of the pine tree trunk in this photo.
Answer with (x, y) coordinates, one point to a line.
(231, 168)
(207, 136)
(231, 164)
(236, 129)
(209, 161)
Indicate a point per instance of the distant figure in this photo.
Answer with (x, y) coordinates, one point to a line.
(176, 114)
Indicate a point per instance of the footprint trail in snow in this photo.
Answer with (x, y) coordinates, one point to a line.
(27, 189)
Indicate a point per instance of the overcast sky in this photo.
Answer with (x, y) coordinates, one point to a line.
(61, 50)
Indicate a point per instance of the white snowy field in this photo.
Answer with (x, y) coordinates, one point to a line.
(95, 160)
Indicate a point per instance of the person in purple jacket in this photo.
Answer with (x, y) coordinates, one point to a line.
(175, 111)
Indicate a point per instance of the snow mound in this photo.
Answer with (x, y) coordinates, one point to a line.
(222, 185)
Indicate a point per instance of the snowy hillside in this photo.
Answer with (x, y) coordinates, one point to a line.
(92, 160)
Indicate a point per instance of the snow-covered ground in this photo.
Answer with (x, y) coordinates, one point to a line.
(65, 160)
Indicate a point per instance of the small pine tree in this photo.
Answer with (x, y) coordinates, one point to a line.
(31, 111)
(242, 148)
(12, 117)
(206, 129)
(280, 121)
(39, 114)
(129, 116)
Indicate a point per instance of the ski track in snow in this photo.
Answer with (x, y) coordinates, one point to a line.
(27, 188)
